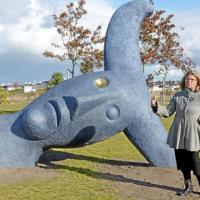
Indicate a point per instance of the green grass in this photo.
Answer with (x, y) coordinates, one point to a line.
(81, 176)
(11, 108)
(70, 185)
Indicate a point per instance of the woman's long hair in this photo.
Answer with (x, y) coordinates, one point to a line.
(196, 75)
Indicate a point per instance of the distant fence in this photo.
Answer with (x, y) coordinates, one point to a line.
(18, 96)
(163, 99)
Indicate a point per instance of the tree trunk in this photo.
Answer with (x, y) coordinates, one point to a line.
(143, 67)
(164, 82)
(72, 72)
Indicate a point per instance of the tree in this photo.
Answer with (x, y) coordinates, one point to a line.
(79, 44)
(160, 45)
(56, 79)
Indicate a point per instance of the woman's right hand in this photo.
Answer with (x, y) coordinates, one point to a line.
(154, 101)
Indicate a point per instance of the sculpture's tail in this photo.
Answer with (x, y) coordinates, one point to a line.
(122, 37)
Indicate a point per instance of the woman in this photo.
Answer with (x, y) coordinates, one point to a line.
(184, 134)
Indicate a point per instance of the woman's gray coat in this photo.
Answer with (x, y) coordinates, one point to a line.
(185, 129)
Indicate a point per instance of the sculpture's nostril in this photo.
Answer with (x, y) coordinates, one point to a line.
(40, 122)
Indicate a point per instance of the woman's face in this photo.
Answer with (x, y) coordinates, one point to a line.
(191, 82)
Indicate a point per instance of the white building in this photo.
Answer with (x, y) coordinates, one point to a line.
(29, 89)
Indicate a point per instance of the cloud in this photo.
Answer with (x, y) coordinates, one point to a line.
(175, 75)
(26, 30)
(99, 13)
(30, 28)
(11, 11)
(26, 27)
(190, 36)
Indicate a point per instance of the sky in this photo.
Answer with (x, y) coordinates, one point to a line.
(26, 30)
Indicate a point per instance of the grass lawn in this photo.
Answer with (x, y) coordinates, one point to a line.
(11, 108)
(79, 177)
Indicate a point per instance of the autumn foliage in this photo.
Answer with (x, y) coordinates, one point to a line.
(160, 45)
(79, 44)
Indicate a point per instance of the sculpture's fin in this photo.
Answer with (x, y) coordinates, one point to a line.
(122, 37)
(148, 135)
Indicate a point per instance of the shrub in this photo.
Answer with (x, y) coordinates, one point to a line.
(4, 97)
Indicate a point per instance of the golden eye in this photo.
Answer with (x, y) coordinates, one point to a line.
(101, 83)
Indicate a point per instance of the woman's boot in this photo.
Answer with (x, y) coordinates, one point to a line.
(188, 183)
(187, 189)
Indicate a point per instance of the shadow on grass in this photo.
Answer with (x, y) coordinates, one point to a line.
(108, 176)
(52, 155)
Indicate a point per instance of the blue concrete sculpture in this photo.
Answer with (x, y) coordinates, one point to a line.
(92, 107)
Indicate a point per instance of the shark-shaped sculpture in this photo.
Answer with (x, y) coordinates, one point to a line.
(93, 107)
